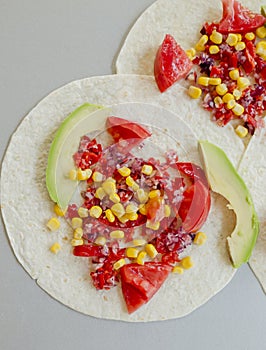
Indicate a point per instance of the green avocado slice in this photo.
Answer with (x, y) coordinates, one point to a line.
(224, 179)
(64, 145)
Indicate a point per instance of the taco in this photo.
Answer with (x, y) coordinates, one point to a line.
(26, 205)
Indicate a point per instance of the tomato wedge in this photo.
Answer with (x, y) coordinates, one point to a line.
(171, 63)
(238, 19)
(141, 282)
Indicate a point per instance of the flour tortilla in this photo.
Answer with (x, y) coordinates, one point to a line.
(26, 206)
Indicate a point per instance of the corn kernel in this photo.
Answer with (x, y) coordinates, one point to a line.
(238, 109)
(178, 269)
(78, 233)
(261, 49)
(167, 211)
(53, 224)
(231, 104)
(218, 101)
(151, 250)
(143, 209)
(200, 238)
(227, 97)
(129, 181)
(250, 36)
(200, 46)
(191, 53)
(154, 194)
(124, 171)
(83, 212)
(147, 169)
(97, 176)
(135, 187)
(76, 242)
(76, 222)
(194, 92)
(216, 37)
(131, 208)
(132, 253)
(100, 193)
(240, 46)
(241, 131)
(221, 89)
(109, 187)
(214, 49)
(117, 234)
(58, 210)
(123, 219)
(187, 262)
(118, 210)
(139, 242)
(232, 39)
(215, 81)
(261, 32)
(55, 248)
(83, 174)
(204, 81)
(237, 94)
(153, 225)
(114, 197)
(242, 82)
(118, 264)
(239, 37)
(73, 174)
(234, 74)
(96, 211)
(100, 240)
(109, 215)
(142, 196)
(141, 257)
(132, 216)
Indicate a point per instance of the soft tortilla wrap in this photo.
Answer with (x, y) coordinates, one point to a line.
(26, 206)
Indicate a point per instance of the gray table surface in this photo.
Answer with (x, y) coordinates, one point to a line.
(43, 45)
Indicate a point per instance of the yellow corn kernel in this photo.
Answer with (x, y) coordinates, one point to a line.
(53, 224)
(114, 197)
(200, 46)
(261, 32)
(234, 74)
(100, 240)
(204, 81)
(191, 53)
(76, 222)
(187, 262)
(240, 46)
(83, 174)
(73, 174)
(124, 171)
(227, 97)
(97, 176)
(117, 234)
(123, 219)
(109, 187)
(239, 37)
(83, 212)
(200, 238)
(58, 210)
(241, 131)
(238, 109)
(96, 211)
(232, 39)
(142, 196)
(221, 89)
(118, 210)
(242, 82)
(194, 92)
(129, 181)
(154, 194)
(143, 209)
(218, 101)
(78, 233)
(214, 49)
(55, 248)
(261, 49)
(250, 36)
(237, 94)
(118, 264)
(139, 242)
(132, 253)
(76, 242)
(141, 257)
(132, 216)
(178, 269)
(109, 215)
(131, 208)
(215, 81)
(151, 250)
(100, 193)
(153, 225)
(167, 211)
(231, 104)
(216, 37)
(147, 169)
(135, 187)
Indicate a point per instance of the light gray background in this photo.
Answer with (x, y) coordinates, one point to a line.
(43, 45)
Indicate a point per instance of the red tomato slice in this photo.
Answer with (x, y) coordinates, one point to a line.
(171, 63)
(195, 206)
(193, 171)
(238, 19)
(141, 282)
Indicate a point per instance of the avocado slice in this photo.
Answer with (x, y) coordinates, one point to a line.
(64, 145)
(224, 179)
(263, 10)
